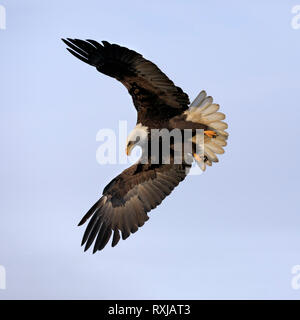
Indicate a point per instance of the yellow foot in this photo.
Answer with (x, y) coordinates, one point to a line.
(210, 133)
(197, 157)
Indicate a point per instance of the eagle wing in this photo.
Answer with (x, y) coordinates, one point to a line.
(148, 86)
(126, 200)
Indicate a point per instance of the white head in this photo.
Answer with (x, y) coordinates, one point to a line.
(137, 137)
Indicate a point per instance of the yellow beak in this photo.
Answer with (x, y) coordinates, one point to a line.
(129, 148)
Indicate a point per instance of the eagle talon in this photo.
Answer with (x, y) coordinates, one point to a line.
(197, 157)
(210, 133)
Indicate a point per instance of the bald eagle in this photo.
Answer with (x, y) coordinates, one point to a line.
(127, 199)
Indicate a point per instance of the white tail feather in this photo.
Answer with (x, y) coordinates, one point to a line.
(200, 97)
(203, 111)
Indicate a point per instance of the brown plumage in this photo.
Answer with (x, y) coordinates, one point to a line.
(126, 201)
(160, 104)
(154, 95)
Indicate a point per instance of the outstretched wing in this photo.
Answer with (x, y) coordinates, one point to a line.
(149, 87)
(126, 201)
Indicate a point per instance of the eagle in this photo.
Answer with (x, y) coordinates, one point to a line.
(160, 104)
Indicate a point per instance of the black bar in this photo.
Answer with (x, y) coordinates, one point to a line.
(150, 309)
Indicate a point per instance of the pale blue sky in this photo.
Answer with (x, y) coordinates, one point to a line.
(232, 232)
